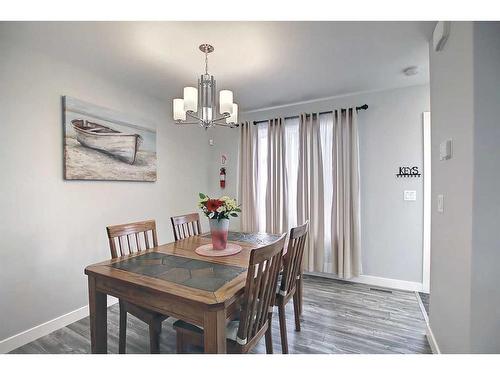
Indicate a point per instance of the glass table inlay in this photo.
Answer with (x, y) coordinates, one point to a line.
(193, 273)
(259, 239)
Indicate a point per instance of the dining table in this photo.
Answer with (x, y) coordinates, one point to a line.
(172, 279)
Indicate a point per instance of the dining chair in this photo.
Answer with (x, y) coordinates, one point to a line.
(255, 314)
(185, 226)
(290, 285)
(128, 239)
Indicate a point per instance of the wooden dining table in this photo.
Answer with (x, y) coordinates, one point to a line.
(173, 280)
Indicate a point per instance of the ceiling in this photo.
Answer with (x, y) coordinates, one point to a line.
(264, 63)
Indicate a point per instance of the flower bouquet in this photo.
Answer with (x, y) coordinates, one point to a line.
(218, 212)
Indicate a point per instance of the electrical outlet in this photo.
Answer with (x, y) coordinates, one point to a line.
(410, 195)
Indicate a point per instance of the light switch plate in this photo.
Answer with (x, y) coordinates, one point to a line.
(410, 195)
(440, 203)
(445, 149)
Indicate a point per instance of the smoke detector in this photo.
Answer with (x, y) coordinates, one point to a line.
(411, 71)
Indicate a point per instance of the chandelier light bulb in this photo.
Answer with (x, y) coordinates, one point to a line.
(226, 101)
(234, 116)
(179, 113)
(190, 99)
(207, 114)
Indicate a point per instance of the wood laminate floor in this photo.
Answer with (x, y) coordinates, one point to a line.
(338, 317)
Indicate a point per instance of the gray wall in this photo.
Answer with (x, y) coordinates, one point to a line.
(485, 301)
(390, 136)
(50, 229)
(226, 141)
(465, 106)
(452, 117)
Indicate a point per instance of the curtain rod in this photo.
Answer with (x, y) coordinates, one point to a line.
(363, 107)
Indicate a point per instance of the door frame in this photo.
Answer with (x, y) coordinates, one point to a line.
(426, 240)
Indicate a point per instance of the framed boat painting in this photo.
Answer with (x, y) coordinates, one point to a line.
(103, 144)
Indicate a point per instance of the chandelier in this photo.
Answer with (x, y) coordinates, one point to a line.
(199, 105)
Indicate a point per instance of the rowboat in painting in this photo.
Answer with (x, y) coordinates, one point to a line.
(120, 145)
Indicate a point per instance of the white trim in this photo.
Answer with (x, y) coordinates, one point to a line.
(376, 281)
(325, 98)
(432, 340)
(422, 307)
(22, 338)
(426, 241)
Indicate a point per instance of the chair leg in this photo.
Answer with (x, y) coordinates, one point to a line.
(180, 343)
(154, 336)
(269, 338)
(122, 340)
(301, 289)
(296, 310)
(284, 340)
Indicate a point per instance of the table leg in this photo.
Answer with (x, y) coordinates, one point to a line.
(214, 328)
(98, 319)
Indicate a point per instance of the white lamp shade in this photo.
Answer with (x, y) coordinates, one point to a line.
(190, 99)
(179, 113)
(234, 116)
(226, 101)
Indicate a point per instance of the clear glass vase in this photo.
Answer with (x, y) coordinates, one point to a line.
(218, 231)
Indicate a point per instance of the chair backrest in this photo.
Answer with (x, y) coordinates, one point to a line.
(132, 237)
(292, 260)
(260, 291)
(186, 226)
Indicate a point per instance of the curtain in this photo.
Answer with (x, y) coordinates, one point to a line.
(345, 228)
(302, 169)
(328, 191)
(276, 189)
(310, 190)
(248, 177)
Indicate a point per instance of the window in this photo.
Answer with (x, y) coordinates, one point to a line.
(261, 173)
(291, 134)
(291, 165)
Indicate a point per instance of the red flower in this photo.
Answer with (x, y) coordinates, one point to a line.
(213, 204)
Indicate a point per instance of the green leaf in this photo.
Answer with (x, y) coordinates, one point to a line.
(234, 215)
(202, 196)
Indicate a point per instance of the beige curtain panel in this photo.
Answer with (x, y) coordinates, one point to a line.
(276, 192)
(310, 191)
(345, 229)
(327, 187)
(248, 177)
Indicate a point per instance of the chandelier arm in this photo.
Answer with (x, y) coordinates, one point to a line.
(230, 125)
(186, 123)
(222, 118)
(192, 115)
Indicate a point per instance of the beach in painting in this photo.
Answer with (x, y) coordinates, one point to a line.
(94, 154)
(83, 163)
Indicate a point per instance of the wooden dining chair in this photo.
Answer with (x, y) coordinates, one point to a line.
(291, 280)
(255, 315)
(127, 239)
(186, 226)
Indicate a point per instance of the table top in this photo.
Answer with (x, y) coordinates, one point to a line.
(176, 269)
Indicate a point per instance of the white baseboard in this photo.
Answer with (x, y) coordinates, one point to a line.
(377, 281)
(20, 339)
(432, 340)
